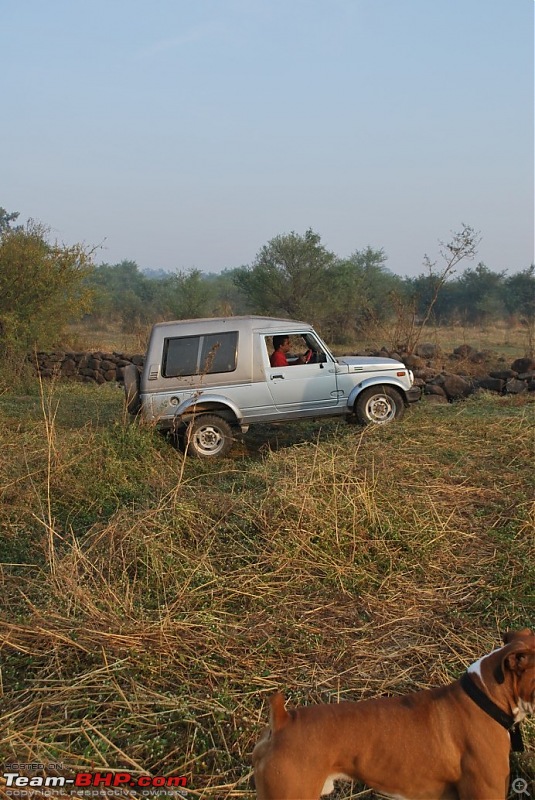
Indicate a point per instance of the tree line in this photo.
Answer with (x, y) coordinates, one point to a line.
(296, 276)
(44, 285)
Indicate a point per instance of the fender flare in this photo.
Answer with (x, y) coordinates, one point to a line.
(393, 382)
(206, 403)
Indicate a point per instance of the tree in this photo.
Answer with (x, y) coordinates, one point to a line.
(481, 294)
(287, 276)
(520, 293)
(42, 286)
(520, 301)
(188, 295)
(123, 293)
(358, 286)
(228, 299)
(6, 219)
(409, 325)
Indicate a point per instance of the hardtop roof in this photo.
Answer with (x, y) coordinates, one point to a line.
(252, 321)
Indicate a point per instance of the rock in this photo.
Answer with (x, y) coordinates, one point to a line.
(456, 387)
(514, 386)
(478, 358)
(483, 355)
(433, 388)
(523, 364)
(503, 374)
(425, 373)
(491, 384)
(412, 362)
(426, 350)
(464, 351)
(68, 367)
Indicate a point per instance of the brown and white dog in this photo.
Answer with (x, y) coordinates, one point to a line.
(447, 742)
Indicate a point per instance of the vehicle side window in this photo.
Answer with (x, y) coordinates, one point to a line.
(300, 343)
(200, 355)
(296, 344)
(268, 341)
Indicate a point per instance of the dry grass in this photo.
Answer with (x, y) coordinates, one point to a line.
(108, 337)
(510, 341)
(150, 606)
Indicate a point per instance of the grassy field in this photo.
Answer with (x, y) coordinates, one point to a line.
(150, 604)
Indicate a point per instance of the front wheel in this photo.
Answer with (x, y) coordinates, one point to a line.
(379, 405)
(208, 436)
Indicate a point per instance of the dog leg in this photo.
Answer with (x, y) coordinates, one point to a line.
(285, 784)
(475, 785)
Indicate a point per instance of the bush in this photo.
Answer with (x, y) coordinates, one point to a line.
(42, 287)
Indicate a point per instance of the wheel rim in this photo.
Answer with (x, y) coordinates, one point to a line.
(380, 408)
(208, 440)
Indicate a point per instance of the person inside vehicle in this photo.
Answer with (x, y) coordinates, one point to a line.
(281, 345)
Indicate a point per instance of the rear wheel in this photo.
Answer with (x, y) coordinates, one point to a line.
(379, 405)
(208, 436)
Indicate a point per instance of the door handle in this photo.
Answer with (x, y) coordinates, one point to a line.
(277, 376)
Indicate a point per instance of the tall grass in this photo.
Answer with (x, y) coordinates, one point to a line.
(150, 604)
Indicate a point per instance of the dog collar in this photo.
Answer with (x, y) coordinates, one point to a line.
(484, 702)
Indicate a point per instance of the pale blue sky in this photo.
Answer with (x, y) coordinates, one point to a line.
(190, 133)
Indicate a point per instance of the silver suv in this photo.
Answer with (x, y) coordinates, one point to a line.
(212, 377)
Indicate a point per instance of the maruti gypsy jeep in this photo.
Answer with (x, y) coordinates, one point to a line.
(212, 378)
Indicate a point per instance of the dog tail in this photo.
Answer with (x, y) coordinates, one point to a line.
(278, 717)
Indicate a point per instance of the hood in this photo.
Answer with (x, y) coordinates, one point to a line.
(370, 364)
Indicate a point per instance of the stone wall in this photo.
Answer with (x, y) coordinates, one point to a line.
(443, 377)
(87, 367)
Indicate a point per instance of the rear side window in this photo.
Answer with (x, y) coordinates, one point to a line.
(200, 355)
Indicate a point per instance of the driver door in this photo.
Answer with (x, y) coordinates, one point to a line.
(300, 388)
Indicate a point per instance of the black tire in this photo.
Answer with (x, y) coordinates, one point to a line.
(379, 405)
(208, 436)
(131, 389)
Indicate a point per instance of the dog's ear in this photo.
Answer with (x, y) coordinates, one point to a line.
(510, 636)
(515, 656)
(278, 716)
(517, 662)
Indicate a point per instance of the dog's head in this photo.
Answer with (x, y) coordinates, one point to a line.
(516, 664)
